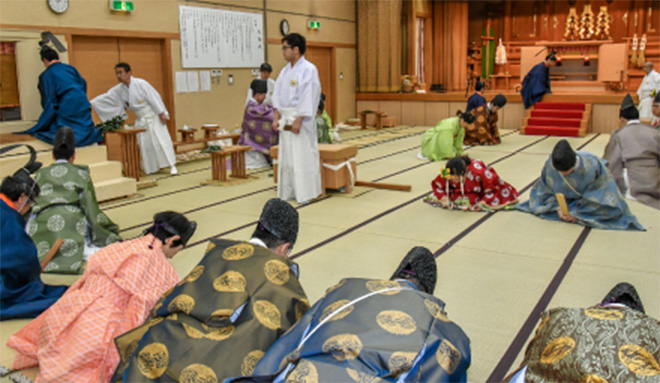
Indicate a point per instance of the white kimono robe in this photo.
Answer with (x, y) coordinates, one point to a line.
(156, 148)
(299, 172)
(269, 93)
(650, 82)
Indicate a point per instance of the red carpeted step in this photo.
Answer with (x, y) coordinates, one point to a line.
(552, 131)
(571, 123)
(559, 105)
(557, 113)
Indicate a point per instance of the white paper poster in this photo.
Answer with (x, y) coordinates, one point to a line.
(205, 80)
(181, 82)
(193, 81)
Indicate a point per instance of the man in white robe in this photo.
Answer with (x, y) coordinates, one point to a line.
(649, 87)
(297, 93)
(264, 74)
(138, 96)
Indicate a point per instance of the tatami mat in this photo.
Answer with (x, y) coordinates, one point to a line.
(491, 278)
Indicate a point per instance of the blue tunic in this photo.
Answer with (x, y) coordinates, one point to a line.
(475, 101)
(64, 102)
(535, 84)
(591, 195)
(23, 294)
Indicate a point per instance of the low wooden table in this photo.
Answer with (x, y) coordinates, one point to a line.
(219, 162)
(210, 132)
(122, 146)
(187, 135)
(363, 119)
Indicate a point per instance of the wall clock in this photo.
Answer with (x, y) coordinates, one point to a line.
(284, 27)
(58, 6)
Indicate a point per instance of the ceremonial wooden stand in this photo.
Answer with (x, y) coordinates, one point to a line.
(219, 162)
(210, 132)
(122, 146)
(187, 135)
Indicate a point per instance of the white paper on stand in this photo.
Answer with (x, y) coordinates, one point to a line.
(193, 81)
(181, 82)
(205, 80)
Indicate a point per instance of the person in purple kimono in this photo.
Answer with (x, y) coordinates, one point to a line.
(258, 127)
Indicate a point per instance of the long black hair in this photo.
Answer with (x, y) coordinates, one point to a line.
(458, 165)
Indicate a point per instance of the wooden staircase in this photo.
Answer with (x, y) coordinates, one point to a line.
(557, 119)
(107, 177)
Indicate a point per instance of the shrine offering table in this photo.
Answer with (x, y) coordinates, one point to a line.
(122, 146)
(338, 167)
(219, 162)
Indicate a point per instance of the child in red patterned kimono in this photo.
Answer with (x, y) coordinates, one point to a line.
(467, 184)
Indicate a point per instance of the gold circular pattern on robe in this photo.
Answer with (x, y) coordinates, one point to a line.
(304, 372)
(401, 362)
(396, 322)
(335, 306)
(604, 314)
(222, 313)
(301, 308)
(435, 310)
(209, 247)
(231, 281)
(277, 272)
(195, 273)
(557, 349)
(338, 285)
(481, 119)
(153, 360)
(193, 332)
(238, 252)
(220, 333)
(343, 346)
(361, 377)
(267, 314)
(183, 303)
(448, 356)
(250, 361)
(197, 373)
(638, 360)
(158, 305)
(173, 316)
(593, 379)
(374, 286)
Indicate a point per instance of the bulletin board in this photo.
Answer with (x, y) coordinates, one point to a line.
(215, 38)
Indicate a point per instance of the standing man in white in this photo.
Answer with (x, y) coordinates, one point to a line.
(264, 74)
(649, 87)
(138, 96)
(296, 99)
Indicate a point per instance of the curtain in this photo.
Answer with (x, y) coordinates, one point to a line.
(450, 43)
(379, 45)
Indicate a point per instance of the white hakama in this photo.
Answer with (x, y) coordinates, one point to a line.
(650, 82)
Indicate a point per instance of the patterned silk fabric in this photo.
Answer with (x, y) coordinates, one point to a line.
(370, 331)
(484, 129)
(591, 195)
(597, 344)
(258, 127)
(219, 321)
(67, 208)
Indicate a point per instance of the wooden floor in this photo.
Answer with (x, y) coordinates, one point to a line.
(497, 272)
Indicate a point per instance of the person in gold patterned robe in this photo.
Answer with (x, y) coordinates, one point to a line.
(614, 341)
(484, 129)
(220, 320)
(366, 330)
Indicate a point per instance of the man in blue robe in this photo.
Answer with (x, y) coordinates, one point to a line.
(64, 102)
(366, 330)
(591, 193)
(477, 99)
(537, 81)
(22, 293)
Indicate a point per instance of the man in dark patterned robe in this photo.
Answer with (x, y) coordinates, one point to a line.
(614, 341)
(220, 320)
(367, 330)
(484, 129)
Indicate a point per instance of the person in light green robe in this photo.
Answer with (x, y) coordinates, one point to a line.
(446, 139)
(67, 209)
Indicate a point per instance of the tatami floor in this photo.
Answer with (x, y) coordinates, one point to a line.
(497, 272)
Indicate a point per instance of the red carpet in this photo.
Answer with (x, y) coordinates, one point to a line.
(557, 119)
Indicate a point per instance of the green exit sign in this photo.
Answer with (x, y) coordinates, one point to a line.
(313, 24)
(121, 6)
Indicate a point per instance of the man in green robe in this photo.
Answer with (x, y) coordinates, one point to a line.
(220, 320)
(446, 139)
(366, 330)
(67, 209)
